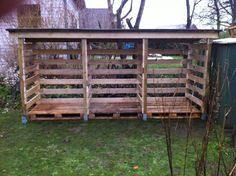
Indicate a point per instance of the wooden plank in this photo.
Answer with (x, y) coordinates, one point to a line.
(32, 79)
(114, 91)
(56, 51)
(167, 71)
(32, 90)
(58, 61)
(31, 68)
(61, 91)
(166, 80)
(167, 90)
(144, 76)
(194, 99)
(165, 99)
(61, 81)
(114, 71)
(200, 58)
(196, 79)
(197, 68)
(195, 89)
(32, 101)
(166, 61)
(78, 101)
(167, 51)
(57, 109)
(114, 52)
(60, 72)
(115, 81)
(200, 46)
(85, 75)
(117, 61)
(117, 35)
(22, 75)
(114, 100)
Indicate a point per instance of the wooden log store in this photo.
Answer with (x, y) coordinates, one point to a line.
(112, 74)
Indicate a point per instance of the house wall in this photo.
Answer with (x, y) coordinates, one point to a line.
(52, 13)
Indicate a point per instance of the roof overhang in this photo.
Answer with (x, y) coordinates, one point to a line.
(114, 34)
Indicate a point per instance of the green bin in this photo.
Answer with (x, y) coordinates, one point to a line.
(223, 79)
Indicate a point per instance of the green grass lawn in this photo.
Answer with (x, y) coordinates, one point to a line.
(98, 148)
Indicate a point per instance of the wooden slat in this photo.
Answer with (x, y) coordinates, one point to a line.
(114, 71)
(167, 61)
(61, 91)
(144, 76)
(166, 80)
(118, 62)
(167, 90)
(32, 90)
(167, 71)
(200, 46)
(166, 99)
(114, 52)
(197, 68)
(195, 89)
(199, 58)
(194, 99)
(56, 51)
(114, 81)
(196, 79)
(32, 79)
(58, 61)
(32, 101)
(30, 69)
(61, 81)
(78, 101)
(167, 51)
(60, 72)
(114, 100)
(56, 109)
(114, 91)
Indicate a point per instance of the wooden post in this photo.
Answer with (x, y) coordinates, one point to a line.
(21, 63)
(85, 77)
(206, 75)
(144, 82)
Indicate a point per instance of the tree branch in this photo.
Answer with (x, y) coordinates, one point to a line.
(140, 14)
(130, 10)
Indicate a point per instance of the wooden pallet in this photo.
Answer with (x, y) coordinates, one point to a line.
(66, 111)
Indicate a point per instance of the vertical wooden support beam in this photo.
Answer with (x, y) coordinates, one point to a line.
(144, 81)
(21, 63)
(85, 77)
(188, 64)
(206, 75)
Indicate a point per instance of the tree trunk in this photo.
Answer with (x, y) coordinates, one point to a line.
(140, 14)
(217, 14)
(189, 21)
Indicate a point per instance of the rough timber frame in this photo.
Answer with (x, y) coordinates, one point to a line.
(149, 97)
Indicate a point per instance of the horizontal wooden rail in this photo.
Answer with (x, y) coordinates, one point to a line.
(167, 61)
(32, 101)
(166, 80)
(32, 79)
(60, 72)
(114, 100)
(167, 71)
(61, 81)
(58, 61)
(61, 91)
(167, 90)
(56, 51)
(118, 62)
(167, 51)
(195, 89)
(114, 81)
(78, 101)
(114, 91)
(114, 52)
(114, 71)
(196, 79)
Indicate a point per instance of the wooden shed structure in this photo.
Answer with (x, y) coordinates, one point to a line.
(80, 74)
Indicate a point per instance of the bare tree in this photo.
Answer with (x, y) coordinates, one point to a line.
(120, 17)
(190, 12)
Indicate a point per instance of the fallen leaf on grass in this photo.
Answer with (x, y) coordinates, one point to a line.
(135, 167)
